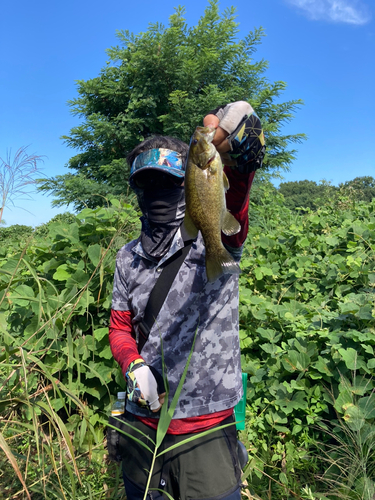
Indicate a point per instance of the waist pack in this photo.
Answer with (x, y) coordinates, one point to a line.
(115, 446)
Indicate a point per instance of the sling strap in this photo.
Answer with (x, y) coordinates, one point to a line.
(160, 292)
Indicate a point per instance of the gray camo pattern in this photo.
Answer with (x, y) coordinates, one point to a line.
(213, 381)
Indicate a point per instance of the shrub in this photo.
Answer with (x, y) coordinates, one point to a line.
(306, 324)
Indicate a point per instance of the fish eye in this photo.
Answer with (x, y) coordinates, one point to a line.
(194, 142)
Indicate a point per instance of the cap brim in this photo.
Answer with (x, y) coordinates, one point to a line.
(165, 169)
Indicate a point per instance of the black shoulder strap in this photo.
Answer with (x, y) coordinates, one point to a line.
(160, 292)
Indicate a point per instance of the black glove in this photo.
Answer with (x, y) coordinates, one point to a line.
(247, 144)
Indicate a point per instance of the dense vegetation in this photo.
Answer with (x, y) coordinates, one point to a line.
(307, 338)
(310, 194)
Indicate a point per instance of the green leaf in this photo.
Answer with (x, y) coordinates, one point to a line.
(100, 333)
(99, 370)
(94, 252)
(62, 273)
(348, 308)
(296, 361)
(22, 295)
(297, 429)
(266, 271)
(365, 312)
(274, 418)
(97, 392)
(106, 353)
(322, 366)
(332, 241)
(354, 418)
(60, 231)
(9, 267)
(271, 349)
(344, 400)
(351, 358)
(283, 478)
(79, 278)
(304, 242)
(290, 403)
(270, 334)
(258, 273)
(367, 406)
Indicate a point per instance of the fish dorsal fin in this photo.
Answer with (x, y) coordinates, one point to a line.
(225, 182)
(230, 225)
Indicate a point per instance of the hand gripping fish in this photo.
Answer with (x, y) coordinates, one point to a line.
(205, 186)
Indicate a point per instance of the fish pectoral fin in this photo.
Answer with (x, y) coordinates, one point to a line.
(189, 227)
(220, 263)
(230, 226)
(225, 182)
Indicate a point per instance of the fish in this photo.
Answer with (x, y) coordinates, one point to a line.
(206, 211)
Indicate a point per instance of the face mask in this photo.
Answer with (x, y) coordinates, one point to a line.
(161, 206)
(163, 212)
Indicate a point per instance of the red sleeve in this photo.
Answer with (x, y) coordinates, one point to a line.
(237, 198)
(122, 339)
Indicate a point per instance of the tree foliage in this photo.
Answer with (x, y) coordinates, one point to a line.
(163, 81)
(15, 232)
(306, 194)
(311, 195)
(364, 187)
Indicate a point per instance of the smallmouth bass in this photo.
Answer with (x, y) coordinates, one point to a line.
(206, 211)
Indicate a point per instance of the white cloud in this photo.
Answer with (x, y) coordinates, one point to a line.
(338, 11)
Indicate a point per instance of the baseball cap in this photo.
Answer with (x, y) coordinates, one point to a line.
(164, 160)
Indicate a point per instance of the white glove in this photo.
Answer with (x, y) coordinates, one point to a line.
(142, 387)
(148, 387)
(231, 116)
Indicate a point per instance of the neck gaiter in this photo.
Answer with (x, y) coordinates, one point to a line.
(163, 212)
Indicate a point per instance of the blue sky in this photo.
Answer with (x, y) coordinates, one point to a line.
(323, 49)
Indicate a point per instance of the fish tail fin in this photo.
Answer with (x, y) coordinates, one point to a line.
(219, 263)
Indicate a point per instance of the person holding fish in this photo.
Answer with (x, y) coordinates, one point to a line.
(190, 203)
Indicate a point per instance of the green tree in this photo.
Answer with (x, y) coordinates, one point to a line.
(163, 81)
(364, 187)
(16, 232)
(306, 194)
(64, 218)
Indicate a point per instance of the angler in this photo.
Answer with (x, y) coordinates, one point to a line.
(162, 294)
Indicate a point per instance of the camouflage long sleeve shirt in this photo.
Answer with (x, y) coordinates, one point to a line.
(192, 306)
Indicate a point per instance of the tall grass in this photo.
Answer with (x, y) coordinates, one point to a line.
(348, 452)
(51, 439)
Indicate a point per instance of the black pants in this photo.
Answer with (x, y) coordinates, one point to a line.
(206, 468)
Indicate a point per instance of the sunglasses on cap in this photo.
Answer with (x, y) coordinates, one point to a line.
(155, 179)
(163, 159)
